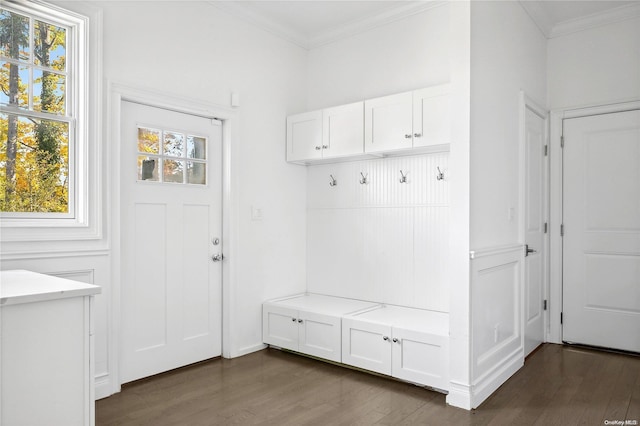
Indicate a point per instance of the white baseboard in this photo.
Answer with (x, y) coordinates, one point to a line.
(247, 350)
(490, 382)
(459, 395)
(102, 386)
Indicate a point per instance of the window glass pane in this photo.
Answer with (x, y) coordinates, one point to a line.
(14, 81)
(173, 144)
(48, 92)
(49, 46)
(148, 168)
(34, 165)
(14, 35)
(148, 140)
(196, 173)
(173, 171)
(196, 147)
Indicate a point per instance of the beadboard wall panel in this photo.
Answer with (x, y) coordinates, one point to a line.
(382, 240)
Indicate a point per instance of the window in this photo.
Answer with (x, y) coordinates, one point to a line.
(174, 153)
(41, 106)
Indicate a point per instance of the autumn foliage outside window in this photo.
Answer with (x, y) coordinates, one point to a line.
(35, 121)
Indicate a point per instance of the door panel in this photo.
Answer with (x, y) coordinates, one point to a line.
(535, 131)
(320, 336)
(171, 210)
(343, 130)
(304, 136)
(364, 345)
(432, 116)
(280, 327)
(388, 123)
(420, 358)
(601, 245)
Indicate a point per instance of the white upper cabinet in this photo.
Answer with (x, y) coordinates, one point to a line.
(388, 123)
(343, 130)
(405, 123)
(432, 116)
(304, 136)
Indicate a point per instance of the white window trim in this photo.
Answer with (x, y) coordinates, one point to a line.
(86, 165)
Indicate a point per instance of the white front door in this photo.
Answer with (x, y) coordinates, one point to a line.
(534, 265)
(601, 243)
(171, 227)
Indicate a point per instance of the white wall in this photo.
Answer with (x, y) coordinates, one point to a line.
(194, 50)
(596, 66)
(508, 54)
(408, 54)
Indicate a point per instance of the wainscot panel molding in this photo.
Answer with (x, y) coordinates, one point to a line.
(497, 334)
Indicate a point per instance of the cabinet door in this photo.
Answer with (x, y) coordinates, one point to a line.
(421, 358)
(304, 136)
(320, 336)
(431, 116)
(388, 123)
(343, 130)
(280, 327)
(366, 345)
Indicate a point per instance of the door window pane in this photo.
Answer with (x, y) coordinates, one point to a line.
(196, 173)
(196, 147)
(148, 140)
(173, 144)
(148, 168)
(173, 171)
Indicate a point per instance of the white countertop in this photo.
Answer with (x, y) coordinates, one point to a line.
(20, 286)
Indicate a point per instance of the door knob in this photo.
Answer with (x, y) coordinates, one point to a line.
(528, 251)
(217, 257)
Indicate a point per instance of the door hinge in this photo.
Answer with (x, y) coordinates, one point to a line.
(561, 318)
(562, 141)
(546, 150)
(562, 230)
(544, 305)
(546, 227)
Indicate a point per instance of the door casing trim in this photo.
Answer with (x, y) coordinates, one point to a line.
(118, 93)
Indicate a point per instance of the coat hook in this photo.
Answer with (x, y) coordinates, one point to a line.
(333, 181)
(440, 174)
(403, 178)
(364, 180)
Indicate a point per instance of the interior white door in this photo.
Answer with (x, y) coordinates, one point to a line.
(534, 218)
(171, 227)
(601, 243)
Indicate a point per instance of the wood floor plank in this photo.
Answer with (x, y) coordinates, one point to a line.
(557, 385)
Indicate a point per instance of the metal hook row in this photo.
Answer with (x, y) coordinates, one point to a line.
(365, 178)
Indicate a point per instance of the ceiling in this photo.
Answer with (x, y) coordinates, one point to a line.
(311, 23)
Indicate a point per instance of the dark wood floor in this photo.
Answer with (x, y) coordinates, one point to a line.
(558, 386)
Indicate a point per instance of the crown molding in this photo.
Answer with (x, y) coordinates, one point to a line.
(539, 16)
(610, 16)
(372, 21)
(247, 13)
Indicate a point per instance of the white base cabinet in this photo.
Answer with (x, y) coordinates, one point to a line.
(46, 350)
(409, 344)
(406, 343)
(310, 324)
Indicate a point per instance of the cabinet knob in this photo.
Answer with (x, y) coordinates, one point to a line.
(318, 148)
(300, 321)
(417, 135)
(385, 338)
(395, 340)
(293, 319)
(325, 146)
(407, 136)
